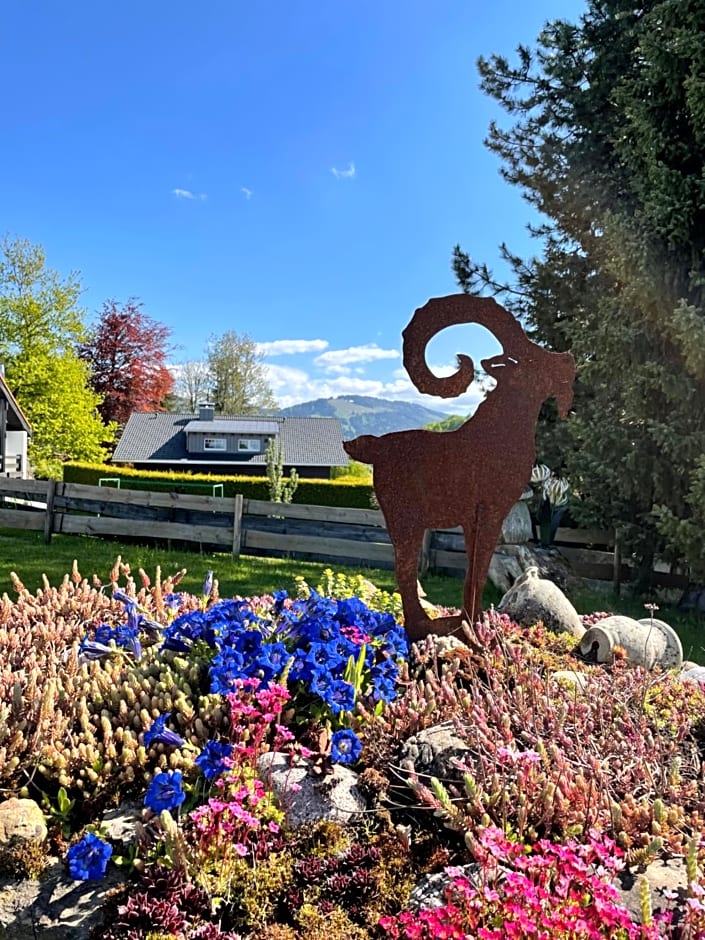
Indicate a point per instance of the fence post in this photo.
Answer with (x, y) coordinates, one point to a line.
(237, 525)
(49, 517)
(617, 564)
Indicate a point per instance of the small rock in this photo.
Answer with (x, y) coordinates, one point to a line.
(432, 751)
(21, 820)
(570, 676)
(532, 598)
(306, 798)
(55, 908)
(668, 883)
(118, 823)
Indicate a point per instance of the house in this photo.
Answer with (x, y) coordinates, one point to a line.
(14, 434)
(226, 444)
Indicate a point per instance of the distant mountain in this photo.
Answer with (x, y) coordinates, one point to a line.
(362, 415)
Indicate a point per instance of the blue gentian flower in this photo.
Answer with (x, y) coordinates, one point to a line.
(159, 734)
(119, 595)
(227, 666)
(213, 758)
(88, 858)
(208, 584)
(165, 792)
(319, 682)
(345, 747)
(90, 650)
(301, 667)
(279, 598)
(340, 696)
(276, 656)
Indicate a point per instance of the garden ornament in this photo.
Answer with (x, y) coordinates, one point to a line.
(471, 476)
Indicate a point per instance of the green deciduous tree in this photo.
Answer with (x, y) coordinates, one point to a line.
(607, 140)
(40, 325)
(55, 394)
(238, 378)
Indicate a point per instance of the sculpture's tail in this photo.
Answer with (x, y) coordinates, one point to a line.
(362, 448)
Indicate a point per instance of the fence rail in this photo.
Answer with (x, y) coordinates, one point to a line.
(251, 526)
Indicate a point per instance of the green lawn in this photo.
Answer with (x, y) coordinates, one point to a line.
(28, 555)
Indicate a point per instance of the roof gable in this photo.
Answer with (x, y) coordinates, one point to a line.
(161, 437)
(16, 420)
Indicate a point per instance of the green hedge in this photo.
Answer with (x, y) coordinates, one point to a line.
(342, 493)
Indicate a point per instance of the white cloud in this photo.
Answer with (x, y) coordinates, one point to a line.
(289, 347)
(338, 360)
(247, 193)
(284, 377)
(344, 174)
(291, 386)
(187, 194)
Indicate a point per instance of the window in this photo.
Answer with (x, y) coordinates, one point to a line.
(249, 444)
(214, 443)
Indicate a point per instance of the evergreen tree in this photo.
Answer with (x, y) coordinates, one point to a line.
(607, 140)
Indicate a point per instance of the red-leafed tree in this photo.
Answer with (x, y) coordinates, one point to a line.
(126, 352)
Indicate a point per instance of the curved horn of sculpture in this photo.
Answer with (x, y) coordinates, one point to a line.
(442, 312)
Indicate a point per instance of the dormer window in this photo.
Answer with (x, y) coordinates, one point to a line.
(214, 443)
(250, 445)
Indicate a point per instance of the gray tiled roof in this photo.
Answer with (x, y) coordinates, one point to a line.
(236, 426)
(161, 437)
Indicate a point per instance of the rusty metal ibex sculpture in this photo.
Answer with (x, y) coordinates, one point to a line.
(471, 476)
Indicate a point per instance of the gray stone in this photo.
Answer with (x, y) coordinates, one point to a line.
(432, 752)
(533, 598)
(307, 798)
(55, 908)
(21, 820)
(516, 528)
(118, 824)
(570, 677)
(508, 564)
(668, 884)
(430, 890)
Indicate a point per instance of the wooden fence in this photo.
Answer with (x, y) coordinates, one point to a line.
(256, 527)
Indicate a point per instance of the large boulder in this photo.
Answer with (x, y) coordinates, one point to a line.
(532, 598)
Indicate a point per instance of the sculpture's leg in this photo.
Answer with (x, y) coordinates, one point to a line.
(480, 541)
(406, 553)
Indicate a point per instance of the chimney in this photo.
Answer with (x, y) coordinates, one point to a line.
(206, 412)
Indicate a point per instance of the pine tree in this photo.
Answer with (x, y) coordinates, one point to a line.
(608, 142)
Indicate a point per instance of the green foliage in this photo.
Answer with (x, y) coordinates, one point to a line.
(606, 139)
(54, 392)
(355, 471)
(280, 490)
(238, 380)
(447, 424)
(40, 324)
(38, 310)
(59, 811)
(346, 494)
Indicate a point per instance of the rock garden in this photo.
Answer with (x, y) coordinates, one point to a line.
(177, 766)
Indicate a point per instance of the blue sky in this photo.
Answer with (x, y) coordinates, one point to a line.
(296, 171)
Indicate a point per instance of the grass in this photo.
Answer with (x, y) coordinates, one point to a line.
(27, 554)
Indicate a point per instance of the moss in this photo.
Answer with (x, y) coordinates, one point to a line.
(22, 859)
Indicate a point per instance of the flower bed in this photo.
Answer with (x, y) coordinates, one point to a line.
(553, 792)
